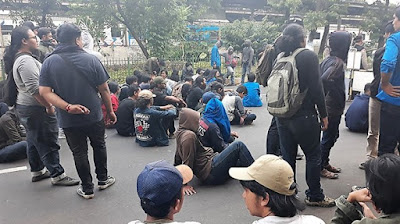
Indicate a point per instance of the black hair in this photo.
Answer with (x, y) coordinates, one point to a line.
(251, 77)
(198, 71)
(161, 62)
(198, 81)
(137, 72)
(389, 27)
(43, 31)
(131, 79)
(397, 13)
(358, 39)
(292, 37)
(215, 86)
(132, 89)
(166, 72)
(159, 211)
(280, 205)
(67, 33)
(29, 24)
(142, 103)
(175, 75)
(146, 78)
(241, 89)
(113, 86)
(17, 35)
(383, 179)
(367, 87)
(188, 79)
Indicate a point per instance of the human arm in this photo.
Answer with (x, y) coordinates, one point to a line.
(388, 65)
(173, 99)
(47, 93)
(106, 97)
(217, 142)
(364, 59)
(239, 106)
(251, 56)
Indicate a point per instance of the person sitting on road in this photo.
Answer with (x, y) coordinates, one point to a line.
(114, 90)
(170, 83)
(160, 187)
(214, 127)
(270, 192)
(130, 80)
(212, 76)
(234, 107)
(357, 114)
(252, 99)
(209, 166)
(125, 125)
(149, 128)
(383, 180)
(195, 94)
(145, 84)
(13, 147)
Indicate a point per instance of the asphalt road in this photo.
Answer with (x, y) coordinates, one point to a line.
(22, 201)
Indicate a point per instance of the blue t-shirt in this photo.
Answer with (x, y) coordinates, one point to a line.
(74, 88)
(252, 99)
(149, 128)
(357, 114)
(390, 65)
(215, 57)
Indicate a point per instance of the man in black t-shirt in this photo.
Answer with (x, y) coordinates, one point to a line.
(195, 94)
(125, 125)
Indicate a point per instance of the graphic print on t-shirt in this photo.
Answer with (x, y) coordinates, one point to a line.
(142, 127)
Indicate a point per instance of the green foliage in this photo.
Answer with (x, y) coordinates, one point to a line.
(260, 33)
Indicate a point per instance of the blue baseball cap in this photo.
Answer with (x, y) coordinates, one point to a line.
(160, 181)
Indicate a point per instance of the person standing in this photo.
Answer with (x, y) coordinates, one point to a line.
(35, 113)
(46, 45)
(215, 57)
(359, 46)
(247, 59)
(230, 63)
(332, 69)
(389, 93)
(71, 79)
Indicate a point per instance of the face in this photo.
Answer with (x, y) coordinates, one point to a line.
(164, 74)
(253, 203)
(242, 95)
(31, 41)
(203, 84)
(396, 23)
(47, 37)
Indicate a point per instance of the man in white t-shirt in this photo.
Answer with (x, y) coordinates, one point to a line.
(270, 192)
(160, 189)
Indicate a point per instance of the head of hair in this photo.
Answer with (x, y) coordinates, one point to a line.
(292, 38)
(146, 78)
(198, 71)
(67, 33)
(216, 86)
(198, 81)
(383, 179)
(188, 79)
(241, 89)
(280, 205)
(137, 73)
(367, 87)
(43, 31)
(397, 13)
(131, 79)
(166, 72)
(29, 24)
(113, 86)
(159, 211)
(358, 39)
(251, 77)
(213, 73)
(161, 62)
(389, 27)
(142, 103)
(17, 35)
(132, 89)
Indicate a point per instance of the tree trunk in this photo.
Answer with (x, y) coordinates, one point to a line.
(323, 40)
(43, 21)
(141, 45)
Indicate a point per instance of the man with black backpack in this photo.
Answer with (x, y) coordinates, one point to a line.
(77, 78)
(35, 113)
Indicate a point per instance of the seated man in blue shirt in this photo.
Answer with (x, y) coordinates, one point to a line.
(357, 114)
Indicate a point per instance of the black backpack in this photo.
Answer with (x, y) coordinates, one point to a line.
(9, 90)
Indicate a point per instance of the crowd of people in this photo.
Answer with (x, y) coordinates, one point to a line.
(59, 84)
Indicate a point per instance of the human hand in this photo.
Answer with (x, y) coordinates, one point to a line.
(51, 110)
(324, 124)
(188, 190)
(182, 102)
(112, 117)
(235, 134)
(362, 195)
(391, 90)
(78, 109)
(242, 120)
(367, 211)
(167, 107)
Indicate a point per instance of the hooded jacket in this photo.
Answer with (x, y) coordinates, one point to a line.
(189, 150)
(215, 113)
(332, 69)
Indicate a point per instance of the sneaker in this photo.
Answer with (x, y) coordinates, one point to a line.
(107, 183)
(327, 202)
(43, 176)
(299, 156)
(66, 181)
(362, 166)
(171, 136)
(356, 188)
(61, 134)
(85, 195)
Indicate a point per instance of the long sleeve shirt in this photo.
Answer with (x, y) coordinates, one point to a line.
(215, 57)
(9, 131)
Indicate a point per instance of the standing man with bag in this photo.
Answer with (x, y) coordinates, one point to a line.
(76, 78)
(35, 113)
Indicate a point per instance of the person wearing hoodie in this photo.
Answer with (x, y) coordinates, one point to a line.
(247, 58)
(332, 70)
(209, 166)
(230, 63)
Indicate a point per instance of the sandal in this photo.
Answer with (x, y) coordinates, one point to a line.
(333, 169)
(327, 174)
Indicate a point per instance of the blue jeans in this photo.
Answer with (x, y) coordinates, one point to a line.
(42, 138)
(13, 152)
(235, 155)
(77, 142)
(246, 69)
(329, 138)
(305, 131)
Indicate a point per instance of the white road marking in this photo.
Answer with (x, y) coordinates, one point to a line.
(10, 170)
